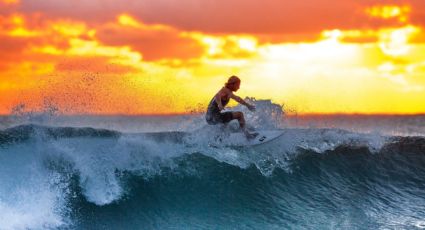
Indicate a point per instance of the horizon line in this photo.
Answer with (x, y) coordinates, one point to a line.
(196, 114)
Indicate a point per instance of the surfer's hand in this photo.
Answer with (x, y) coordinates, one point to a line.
(220, 107)
(251, 107)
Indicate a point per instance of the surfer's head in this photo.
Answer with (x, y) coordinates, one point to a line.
(233, 83)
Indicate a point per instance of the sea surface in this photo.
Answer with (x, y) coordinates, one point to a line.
(161, 172)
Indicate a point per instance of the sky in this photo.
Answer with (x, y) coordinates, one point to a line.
(171, 57)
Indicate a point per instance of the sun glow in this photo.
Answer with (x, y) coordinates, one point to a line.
(390, 11)
(122, 55)
(394, 42)
(9, 2)
(160, 66)
(16, 24)
(69, 29)
(128, 20)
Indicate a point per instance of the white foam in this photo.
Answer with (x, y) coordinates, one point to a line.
(30, 197)
(99, 162)
(278, 153)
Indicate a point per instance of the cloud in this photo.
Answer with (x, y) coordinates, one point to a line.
(271, 21)
(93, 55)
(9, 2)
(401, 13)
(11, 49)
(228, 16)
(154, 42)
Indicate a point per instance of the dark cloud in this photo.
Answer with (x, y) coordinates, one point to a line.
(11, 51)
(7, 8)
(152, 44)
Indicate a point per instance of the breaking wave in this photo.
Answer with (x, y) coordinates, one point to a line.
(69, 177)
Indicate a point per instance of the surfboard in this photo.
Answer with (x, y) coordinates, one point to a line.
(239, 139)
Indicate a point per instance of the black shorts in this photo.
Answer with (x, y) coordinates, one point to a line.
(217, 118)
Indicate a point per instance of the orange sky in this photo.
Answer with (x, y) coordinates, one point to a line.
(150, 56)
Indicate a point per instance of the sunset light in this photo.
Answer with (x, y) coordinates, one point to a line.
(373, 62)
(212, 114)
(391, 11)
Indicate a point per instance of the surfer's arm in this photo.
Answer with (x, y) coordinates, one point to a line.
(243, 102)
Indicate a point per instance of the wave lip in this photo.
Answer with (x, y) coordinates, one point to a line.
(24, 132)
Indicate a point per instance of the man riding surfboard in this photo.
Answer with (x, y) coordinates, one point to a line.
(214, 113)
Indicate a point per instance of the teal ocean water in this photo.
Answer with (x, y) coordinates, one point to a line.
(123, 172)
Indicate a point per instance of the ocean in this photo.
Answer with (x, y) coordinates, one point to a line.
(161, 172)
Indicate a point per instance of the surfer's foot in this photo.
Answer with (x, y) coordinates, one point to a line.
(251, 135)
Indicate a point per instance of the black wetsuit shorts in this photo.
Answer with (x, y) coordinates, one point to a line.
(214, 116)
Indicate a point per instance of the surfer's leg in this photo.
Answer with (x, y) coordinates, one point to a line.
(241, 119)
(239, 116)
(226, 117)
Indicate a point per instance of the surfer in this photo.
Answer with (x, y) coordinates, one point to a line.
(219, 101)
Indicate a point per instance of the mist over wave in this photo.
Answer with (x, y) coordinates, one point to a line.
(74, 177)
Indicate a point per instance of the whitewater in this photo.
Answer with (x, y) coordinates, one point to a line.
(161, 172)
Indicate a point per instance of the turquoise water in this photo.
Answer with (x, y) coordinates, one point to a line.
(310, 178)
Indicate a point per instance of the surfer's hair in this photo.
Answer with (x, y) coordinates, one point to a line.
(232, 80)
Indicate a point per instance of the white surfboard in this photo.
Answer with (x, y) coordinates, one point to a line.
(240, 140)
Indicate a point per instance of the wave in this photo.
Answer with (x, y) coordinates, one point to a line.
(23, 133)
(78, 177)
